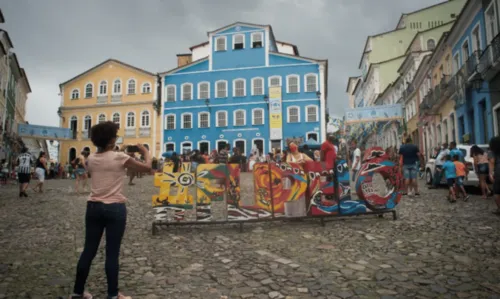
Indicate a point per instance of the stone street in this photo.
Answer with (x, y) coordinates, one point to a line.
(434, 250)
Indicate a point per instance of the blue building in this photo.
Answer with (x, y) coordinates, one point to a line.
(219, 93)
(468, 39)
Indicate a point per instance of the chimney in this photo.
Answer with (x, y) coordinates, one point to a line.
(183, 59)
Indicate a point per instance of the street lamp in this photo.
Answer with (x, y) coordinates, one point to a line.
(207, 102)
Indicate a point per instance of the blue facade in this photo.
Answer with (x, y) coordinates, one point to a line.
(239, 114)
(474, 114)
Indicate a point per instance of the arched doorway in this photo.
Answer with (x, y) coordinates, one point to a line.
(313, 136)
(204, 147)
(221, 144)
(72, 154)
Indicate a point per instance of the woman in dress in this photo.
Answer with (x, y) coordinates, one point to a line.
(80, 171)
(481, 165)
(106, 210)
(41, 170)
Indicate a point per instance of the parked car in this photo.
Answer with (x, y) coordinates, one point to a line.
(472, 179)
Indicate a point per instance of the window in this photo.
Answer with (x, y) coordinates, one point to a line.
(221, 118)
(465, 51)
(75, 94)
(116, 118)
(220, 43)
(257, 40)
(293, 114)
(171, 93)
(187, 121)
(241, 145)
(131, 86)
(170, 122)
(274, 81)
(312, 113)
(101, 118)
(221, 89)
(117, 87)
(476, 39)
(87, 122)
(238, 41)
(257, 86)
(292, 84)
(239, 117)
(257, 116)
(89, 90)
(203, 120)
(131, 120)
(170, 147)
(145, 119)
(146, 87)
(431, 44)
(203, 90)
(187, 91)
(103, 88)
(311, 83)
(239, 88)
(456, 63)
(186, 147)
(491, 22)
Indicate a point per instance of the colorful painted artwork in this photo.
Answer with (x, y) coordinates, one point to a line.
(211, 187)
(375, 160)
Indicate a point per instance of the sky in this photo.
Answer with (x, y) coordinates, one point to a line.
(56, 40)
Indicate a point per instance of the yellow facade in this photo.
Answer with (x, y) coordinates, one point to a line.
(107, 93)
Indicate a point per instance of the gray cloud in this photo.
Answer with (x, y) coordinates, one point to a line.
(58, 39)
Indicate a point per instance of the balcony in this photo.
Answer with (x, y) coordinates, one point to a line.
(145, 132)
(471, 65)
(116, 99)
(489, 62)
(102, 100)
(446, 87)
(130, 132)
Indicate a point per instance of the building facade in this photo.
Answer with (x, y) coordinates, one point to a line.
(111, 91)
(232, 85)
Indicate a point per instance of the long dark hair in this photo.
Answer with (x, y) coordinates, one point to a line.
(42, 153)
(495, 145)
(476, 150)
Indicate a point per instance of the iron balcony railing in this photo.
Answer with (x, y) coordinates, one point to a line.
(472, 62)
(491, 54)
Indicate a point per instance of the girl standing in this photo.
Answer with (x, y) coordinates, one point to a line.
(481, 164)
(40, 169)
(80, 171)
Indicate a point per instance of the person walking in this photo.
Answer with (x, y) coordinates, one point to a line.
(328, 153)
(495, 175)
(24, 162)
(439, 161)
(356, 160)
(450, 173)
(40, 169)
(481, 165)
(106, 210)
(462, 173)
(409, 155)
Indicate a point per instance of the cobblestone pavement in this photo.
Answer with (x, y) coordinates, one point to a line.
(434, 250)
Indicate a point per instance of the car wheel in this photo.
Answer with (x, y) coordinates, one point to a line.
(428, 177)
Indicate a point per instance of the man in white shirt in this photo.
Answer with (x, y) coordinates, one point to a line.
(440, 159)
(356, 160)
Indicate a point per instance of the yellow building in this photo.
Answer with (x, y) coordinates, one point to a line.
(111, 91)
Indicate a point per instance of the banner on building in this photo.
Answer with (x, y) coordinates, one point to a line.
(374, 113)
(43, 132)
(275, 113)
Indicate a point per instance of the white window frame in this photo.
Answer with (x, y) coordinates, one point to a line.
(312, 132)
(167, 143)
(175, 92)
(150, 87)
(244, 87)
(77, 90)
(204, 141)
(99, 117)
(305, 82)
(455, 67)
(288, 83)
(121, 86)
(100, 85)
(217, 118)
(427, 43)
(128, 86)
(317, 113)
(72, 118)
(272, 77)
(263, 144)
(166, 121)
(244, 117)
(495, 22)
(216, 89)
(217, 143)
(245, 147)
(83, 123)
(119, 118)
(182, 120)
(126, 120)
(199, 90)
(182, 91)
(185, 142)
(199, 119)
(261, 39)
(92, 92)
(234, 40)
(478, 27)
(216, 43)
(288, 114)
(263, 117)
(464, 59)
(149, 121)
(253, 86)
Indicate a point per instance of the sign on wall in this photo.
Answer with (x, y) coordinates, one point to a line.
(374, 113)
(43, 132)
(275, 113)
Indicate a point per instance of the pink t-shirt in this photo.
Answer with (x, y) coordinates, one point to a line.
(107, 171)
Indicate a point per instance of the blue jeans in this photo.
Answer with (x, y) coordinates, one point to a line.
(100, 217)
(410, 172)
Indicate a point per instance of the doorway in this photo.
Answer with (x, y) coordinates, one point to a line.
(73, 125)
(221, 144)
(204, 147)
(313, 136)
(259, 144)
(241, 145)
(72, 154)
(170, 147)
(276, 144)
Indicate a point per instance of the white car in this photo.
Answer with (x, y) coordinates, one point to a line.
(471, 180)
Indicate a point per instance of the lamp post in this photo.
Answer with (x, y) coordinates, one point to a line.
(266, 99)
